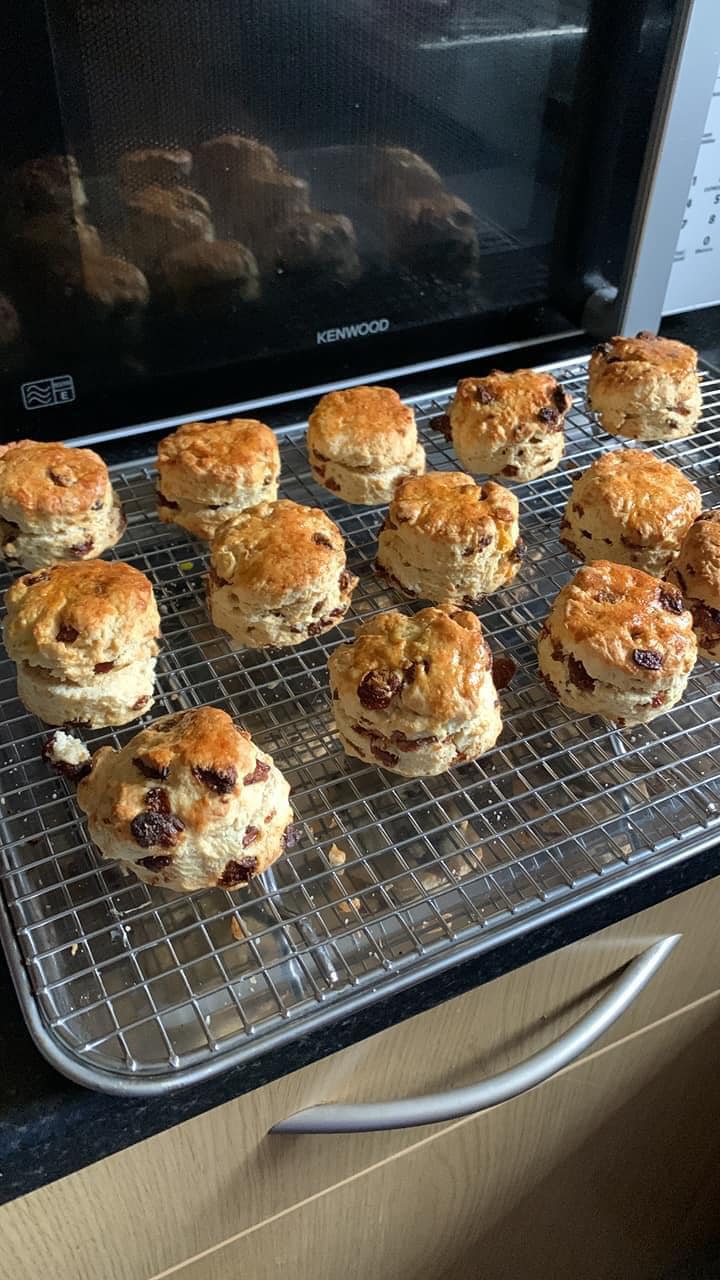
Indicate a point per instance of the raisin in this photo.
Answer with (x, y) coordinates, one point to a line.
(441, 423)
(155, 862)
(150, 829)
(483, 395)
(237, 872)
(509, 471)
(102, 668)
(157, 800)
(67, 634)
(647, 659)
(344, 580)
(385, 757)
(73, 772)
(670, 601)
(658, 700)
(335, 695)
(411, 744)
(97, 506)
(549, 685)
(332, 485)
(215, 580)
(319, 471)
(579, 509)
(584, 533)
(166, 502)
(290, 837)
(81, 548)
(561, 398)
(518, 551)
(503, 670)
(322, 540)
(32, 581)
(250, 836)
(377, 689)
(140, 702)
(558, 653)
(221, 781)
(63, 479)
(259, 773)
(548, 414)
(604, 349)
(149, 768)
(579, 676)
(473, 602)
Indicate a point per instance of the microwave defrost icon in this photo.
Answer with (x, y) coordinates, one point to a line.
(45, 392)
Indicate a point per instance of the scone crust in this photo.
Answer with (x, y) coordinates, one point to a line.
(276, 549)
(449, 505)
(189, 803)
(209, 462)
(636, 507)
(51, 479)
(645, 388)
(509, 408)
(697, 573)
(71, 617)
(362, 427)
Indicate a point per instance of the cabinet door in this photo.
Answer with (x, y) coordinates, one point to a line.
(221, 1173)
(607, 1172)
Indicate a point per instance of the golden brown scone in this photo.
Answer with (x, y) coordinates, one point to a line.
(416, 694)
(317, 244)
(189, 803)
(154, 166)
(83, 636)
(48, 184)
(630, 507)
(209, 471)
(617, 643)
(361, 441)
(434, 232)
(211, 274)
(158, 221)
(278, 575)
(697, 573)
(509, 424)
(645, 388)
(447, 538)
(56, 504)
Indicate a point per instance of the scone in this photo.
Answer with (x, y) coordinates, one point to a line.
(446, 538)
(154, 166)
(618, 644)
(630, 507)
(397, 174)
(83, 637)
(189, 803)
(48, 184)
(210, 276)
(278, 575)
(433, 233)
(220, 162)
(56, 504)
(509, 424)
(645, 388)
(209, 471)
(697, 573)
(259, 202)
(102, 303)
(361, 441)
(158, 221)
(416, 694)
(317, 246)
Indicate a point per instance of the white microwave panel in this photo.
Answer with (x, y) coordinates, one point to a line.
(695, 275)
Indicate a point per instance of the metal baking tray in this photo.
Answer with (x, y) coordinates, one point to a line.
(138, 991)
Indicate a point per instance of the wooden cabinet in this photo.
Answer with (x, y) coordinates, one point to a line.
(188, 1190)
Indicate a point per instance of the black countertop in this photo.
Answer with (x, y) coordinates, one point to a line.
(50, 1127)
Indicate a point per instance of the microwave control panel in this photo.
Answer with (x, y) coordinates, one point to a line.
(695, 274)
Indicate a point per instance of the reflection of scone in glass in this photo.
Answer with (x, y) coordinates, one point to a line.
(630, 507)
(446, 538)
(697, 573)
(416, 694)
(209, 471)
(104, 303)
(617, 643)
(432, 232)
(261, 201)
(397, 174)
(58, 241)
(48, 184)
(361, 441)
(154, 166)
(158, 221)
(189, 803)
(56, 504)
(509, 424)
(218, 275)
(84, 640)
(319, 246)
(278, 575)
(220, 162)
(9, 322)
(645, 388)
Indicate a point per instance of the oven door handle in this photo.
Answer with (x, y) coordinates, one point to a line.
(406, 1113)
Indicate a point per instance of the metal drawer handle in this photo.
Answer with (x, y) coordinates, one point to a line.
(409, 1112)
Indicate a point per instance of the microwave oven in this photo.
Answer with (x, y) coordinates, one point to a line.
(218, 204)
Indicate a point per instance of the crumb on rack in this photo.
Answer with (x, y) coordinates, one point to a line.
(346, 907)
(336, 856)
(237, 929)
(74, 949)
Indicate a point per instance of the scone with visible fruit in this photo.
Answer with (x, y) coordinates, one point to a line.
(447, 538)
(209, 471)
(189, 803)
(617, 643)
(278, 575)
(84, 638)
(509, 424)
(416, 694)
(645, 388)
(361, 441)
(697, 573)
(630, 507)
(56, 503)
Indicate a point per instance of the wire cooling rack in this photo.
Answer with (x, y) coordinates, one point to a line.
(137, 990)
